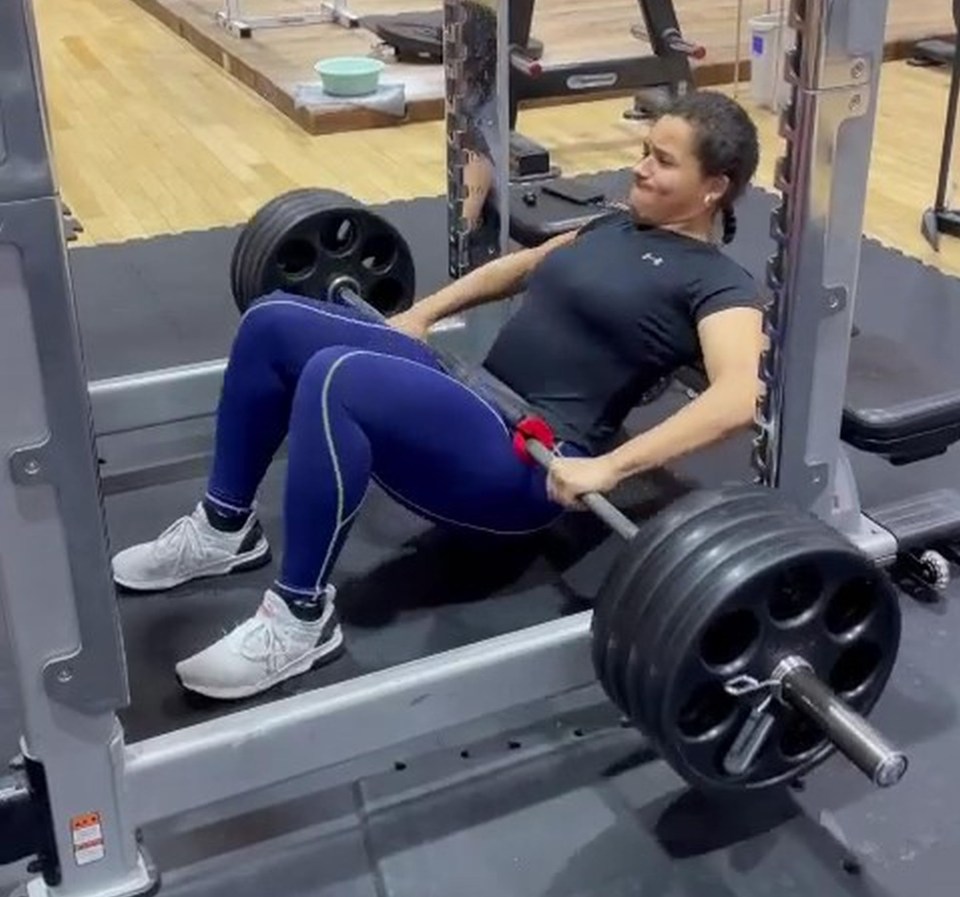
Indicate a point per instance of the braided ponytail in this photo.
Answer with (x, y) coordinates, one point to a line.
(729, 224)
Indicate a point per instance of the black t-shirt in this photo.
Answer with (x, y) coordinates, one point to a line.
(606, 316)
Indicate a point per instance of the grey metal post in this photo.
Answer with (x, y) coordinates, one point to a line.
(55, 584)
(476, 68)
(828, 132)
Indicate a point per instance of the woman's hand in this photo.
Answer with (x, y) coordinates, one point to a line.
(569, 478)
(411, 322)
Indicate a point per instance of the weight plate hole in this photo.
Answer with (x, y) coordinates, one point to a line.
(296, 259)
(387, 296)
(379, 253)
(338, 236)
(800, 738)
(795, 594)
(729, 639)
(855, 668)
(706, 712)
(850, 607)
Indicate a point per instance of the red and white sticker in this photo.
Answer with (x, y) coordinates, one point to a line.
(87, 838)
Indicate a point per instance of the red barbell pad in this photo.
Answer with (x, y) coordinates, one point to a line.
(532, 428)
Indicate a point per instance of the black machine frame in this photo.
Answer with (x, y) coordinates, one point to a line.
(656, 76)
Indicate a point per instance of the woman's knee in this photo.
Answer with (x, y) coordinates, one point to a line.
(285, 330)
(266, 326)
(325, 368)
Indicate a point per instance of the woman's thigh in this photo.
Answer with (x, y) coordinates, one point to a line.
(438, 447)
(290, 330)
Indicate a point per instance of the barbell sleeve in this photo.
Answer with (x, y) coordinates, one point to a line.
(853, 736)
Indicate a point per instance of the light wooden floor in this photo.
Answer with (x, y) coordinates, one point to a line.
(151, 137)
(274, 61)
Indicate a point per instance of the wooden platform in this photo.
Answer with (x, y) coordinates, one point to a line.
(278, 63)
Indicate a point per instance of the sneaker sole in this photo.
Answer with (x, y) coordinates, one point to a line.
(242, 563)
(329, 651)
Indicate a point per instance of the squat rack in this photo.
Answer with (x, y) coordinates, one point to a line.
(55, 580)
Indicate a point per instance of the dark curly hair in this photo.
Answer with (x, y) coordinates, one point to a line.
(726, 144)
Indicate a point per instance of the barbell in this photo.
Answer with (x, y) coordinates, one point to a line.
(745, 637)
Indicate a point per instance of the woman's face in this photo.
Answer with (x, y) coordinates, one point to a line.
(669, 186)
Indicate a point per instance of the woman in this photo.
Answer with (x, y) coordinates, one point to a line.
(608, 312)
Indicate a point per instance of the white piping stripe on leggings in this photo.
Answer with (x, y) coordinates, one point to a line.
(268, 303)
(227, 506)
(327, 314)
(342, 522)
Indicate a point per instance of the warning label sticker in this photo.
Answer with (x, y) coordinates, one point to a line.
(87, 838)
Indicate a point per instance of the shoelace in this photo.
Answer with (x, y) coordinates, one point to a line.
(264, 644)
(181, 537)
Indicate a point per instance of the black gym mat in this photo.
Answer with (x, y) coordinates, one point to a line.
(590, 816)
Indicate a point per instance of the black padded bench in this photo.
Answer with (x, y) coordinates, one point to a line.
(541, 211)
(894, 407)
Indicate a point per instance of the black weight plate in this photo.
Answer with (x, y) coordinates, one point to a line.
(267, 229)
(261, 246)
(638, 614)
(625, 606)
(658, 580)
(793, 748)
(263, 219)
(255, 223)
(656, 651)
(302, 243)
(697, 654)
(679, 572)
(634, 555)
(331, 240)
(243, 281)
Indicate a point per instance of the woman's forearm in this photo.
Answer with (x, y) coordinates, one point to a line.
(495, 280)
(718, 412)
(503, 277)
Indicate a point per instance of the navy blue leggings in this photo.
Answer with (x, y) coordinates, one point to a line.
(360, 402)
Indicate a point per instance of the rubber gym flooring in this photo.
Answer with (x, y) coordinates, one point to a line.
(576, 807)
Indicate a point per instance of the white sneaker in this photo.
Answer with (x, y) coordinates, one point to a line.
(273, 645)
(190, 548)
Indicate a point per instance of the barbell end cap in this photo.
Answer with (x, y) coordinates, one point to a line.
(891, 770)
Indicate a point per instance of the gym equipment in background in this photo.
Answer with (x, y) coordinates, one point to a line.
(231, 17)
(417, 37)
(655, 78)
(939, 50)
(83, 793)
(941, 218)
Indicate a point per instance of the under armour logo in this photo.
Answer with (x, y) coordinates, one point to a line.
(650, 257)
